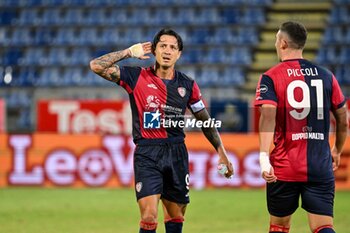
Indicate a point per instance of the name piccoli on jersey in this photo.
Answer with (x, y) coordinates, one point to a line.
(303, 72)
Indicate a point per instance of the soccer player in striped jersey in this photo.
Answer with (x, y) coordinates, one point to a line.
(160, 94)
(295, 99)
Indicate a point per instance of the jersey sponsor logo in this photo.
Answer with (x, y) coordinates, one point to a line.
(152, 85)
(307, 135)
(151, 120)
(303, 72)
(181, 91)
(138, 186)
(262, 89)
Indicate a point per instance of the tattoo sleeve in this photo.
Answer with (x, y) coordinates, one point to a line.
(210, 133)
(105, 65)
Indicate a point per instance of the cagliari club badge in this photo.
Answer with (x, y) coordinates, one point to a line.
(181, 91)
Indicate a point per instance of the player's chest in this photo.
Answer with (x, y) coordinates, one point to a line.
(154, 93)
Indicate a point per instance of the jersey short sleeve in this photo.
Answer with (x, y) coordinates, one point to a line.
(265, 92)
(128, 77)
(338, 99)
(195, 102)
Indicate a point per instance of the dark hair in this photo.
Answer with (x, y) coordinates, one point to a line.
(296, 32)
(169, 32)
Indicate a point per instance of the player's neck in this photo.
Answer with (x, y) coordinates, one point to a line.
(292, 54)
(164, 73)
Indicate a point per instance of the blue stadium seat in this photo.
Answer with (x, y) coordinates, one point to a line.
(30, 3)
(344, 57)
(73, 16)
(217, 55)
(21, 37)
(58, 56)
(223, 35)
(327, 55)
(333, 35)
(80, 56)
(94, 17)
(347, 35)
(248, 36)
(28, 16)
(200, 35)
(241, 56)
(52, 16)
(254, 16)
(12, 56)
(120, 16)
(207, 16)
(66, 36)
(231, 15)
(7, 16)
(233, 76)
(342, 73)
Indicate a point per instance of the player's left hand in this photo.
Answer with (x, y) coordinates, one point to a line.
(140, 50)
(269, 177)
(335, 158)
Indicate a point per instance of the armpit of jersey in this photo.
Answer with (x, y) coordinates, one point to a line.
(196, 107)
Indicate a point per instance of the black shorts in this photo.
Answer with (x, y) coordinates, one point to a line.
(162, 168)
(316, 198)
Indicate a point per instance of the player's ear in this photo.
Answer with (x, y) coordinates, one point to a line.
(284, 44)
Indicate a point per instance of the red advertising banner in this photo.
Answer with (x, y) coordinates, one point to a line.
(84, 116)
(53, 160)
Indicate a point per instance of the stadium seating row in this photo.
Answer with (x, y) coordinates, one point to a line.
(340, 14)
(80, 56)
(131, 16)
(334, 51)
(73, 76)
(337, 35)
(108, 3)
(92, 36)
(332, 55)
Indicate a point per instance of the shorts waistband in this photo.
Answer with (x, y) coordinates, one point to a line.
(159, 141)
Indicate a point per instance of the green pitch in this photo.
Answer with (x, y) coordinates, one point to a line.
(35, 210)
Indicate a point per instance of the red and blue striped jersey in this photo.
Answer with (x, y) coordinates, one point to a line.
(154, 100)
(304, 95)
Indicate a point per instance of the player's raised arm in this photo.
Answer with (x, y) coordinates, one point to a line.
(105, 65)
(213, 137)
(340, 134)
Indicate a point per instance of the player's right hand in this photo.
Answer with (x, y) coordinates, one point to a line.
(140, 50)
(224, 160)
(335, 158)
(269, 177)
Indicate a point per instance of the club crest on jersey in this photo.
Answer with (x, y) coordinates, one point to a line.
(181, 91)
(138, 186)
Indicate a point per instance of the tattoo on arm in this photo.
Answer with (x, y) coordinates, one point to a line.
(210, 133)
(104, 65)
